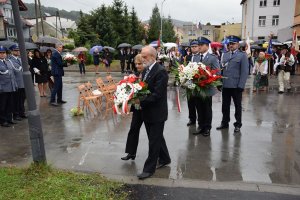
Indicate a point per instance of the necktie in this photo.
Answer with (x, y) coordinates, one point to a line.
(146, 74)
(201, 57)
(4, 62)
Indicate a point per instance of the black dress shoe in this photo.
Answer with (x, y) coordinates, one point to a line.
(237, 129)
(280, 92)
(18, 118)
(12, 122)
(191, 123)
(160, 165)
(144, 175)
(61, 102)
(129, 156)
(199, 132)
(23, 116)
(222, 126)
(53, 104)
(5, 124)
(206, 132)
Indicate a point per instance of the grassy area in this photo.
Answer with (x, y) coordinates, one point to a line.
(114, 67)
(42, 182)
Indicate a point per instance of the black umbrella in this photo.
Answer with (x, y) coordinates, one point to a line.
(43, 49)
(48, 40)
(30, 46)
(256, 47)
(137, 47)
(259, 42)
(124, 45)
(110, 49)
(185, 44)
(7, 43)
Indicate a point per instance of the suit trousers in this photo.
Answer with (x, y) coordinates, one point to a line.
(192, 108)
(204, 110)
(236, 95)
(158, 150)
(122, 62)
(134, 132)
(6, 106)
(19, 101)
(57, 89)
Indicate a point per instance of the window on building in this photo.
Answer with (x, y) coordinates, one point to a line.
(262, 3)
(275, 20)
(11, 32)
(274, 37)
(206, 32)
(261, 37)
(262, 21)
(276, 3)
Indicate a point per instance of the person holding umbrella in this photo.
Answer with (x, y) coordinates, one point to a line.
(96, 58)
(107, 58)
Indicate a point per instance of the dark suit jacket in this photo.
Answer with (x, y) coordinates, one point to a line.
(57, 65)
(155, 106)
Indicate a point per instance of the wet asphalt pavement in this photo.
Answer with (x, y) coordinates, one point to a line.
(266, 151)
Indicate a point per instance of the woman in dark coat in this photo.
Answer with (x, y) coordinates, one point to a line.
(40, 67)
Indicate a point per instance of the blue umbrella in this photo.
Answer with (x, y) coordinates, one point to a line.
(92, 50)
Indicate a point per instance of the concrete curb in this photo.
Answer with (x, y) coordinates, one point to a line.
(187, 183)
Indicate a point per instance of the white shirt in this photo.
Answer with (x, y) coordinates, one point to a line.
(151, 66)
(204, 54)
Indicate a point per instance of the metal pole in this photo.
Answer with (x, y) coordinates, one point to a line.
(34, 120)
(161, 19)
(42, 20)
(36, 18)
(56, 14)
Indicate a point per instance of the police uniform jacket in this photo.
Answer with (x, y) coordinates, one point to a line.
(7, 77)
(235, 69)
(213, 62)
(18, 70)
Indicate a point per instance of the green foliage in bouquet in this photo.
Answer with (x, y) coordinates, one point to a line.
(76, 111)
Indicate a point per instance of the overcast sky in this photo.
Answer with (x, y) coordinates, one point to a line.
(214, 11)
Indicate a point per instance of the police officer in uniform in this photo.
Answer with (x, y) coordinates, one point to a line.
(19, 95)
(193, 57)
(8, 85)
(235, 71)
(204, 105)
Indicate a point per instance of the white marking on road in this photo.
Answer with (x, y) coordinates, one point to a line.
(82, 160)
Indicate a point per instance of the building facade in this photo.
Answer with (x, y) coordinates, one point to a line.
(296, 25)
(7, 24)
(260, 18)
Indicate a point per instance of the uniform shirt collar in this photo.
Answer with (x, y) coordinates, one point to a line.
(204, 54)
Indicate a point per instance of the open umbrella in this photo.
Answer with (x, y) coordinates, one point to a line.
(216, 45)
(185, 44)
(256, 47)
(154, 43)
(30, 46)
(7, 43)
(137, 47)
(170, 44)
(43, 49)
(259, 42)
(80, 49)
(48, 40)
(124, 45)
(93, 49)
(110, 49)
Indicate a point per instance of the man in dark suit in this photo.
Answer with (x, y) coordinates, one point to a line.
(122, 58)
(235, 69)
(154, 112)
(204, 105)
(57, 71)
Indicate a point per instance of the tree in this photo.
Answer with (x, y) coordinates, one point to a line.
(85, 32)
(117, 19)
(168, 31)
(137, 31)
(104, 28)
(208, 24)
(154, 24)
(126, 36)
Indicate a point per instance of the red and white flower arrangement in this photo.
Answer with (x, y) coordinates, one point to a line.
(198, 79)
(128, 89)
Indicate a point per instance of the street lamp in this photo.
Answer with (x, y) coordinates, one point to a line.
(161, 19)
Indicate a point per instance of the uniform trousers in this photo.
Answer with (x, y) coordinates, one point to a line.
(158, 150)
(19, 101)
(6, 107)
(204, 110)
(57, 89)
(192, 108)
(236, 95)
(134, 132)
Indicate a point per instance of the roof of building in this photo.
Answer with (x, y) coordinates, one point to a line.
(65, 23)
(243, 1)
(22, 6)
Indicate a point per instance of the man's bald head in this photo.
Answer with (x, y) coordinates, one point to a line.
(149, 55)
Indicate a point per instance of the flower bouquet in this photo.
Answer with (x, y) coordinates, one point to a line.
(163, 58)
(76, 111)
(128, 89)
(198, 79)
(70, 58)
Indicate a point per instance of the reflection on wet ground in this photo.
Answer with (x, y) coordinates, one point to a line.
(267, 150)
